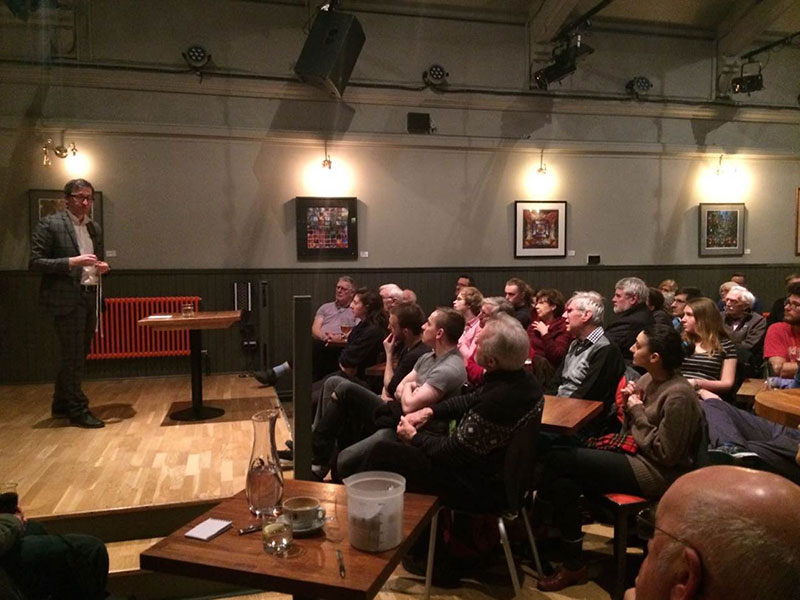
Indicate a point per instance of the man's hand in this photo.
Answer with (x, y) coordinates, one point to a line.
(102, 267)
(388, 346)
(405, 430)
(418, 418)
(84, 260)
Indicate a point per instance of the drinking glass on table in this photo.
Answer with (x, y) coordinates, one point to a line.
(276, 535)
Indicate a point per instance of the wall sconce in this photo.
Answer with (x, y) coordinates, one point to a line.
(60, 151)
(326, 162)
(542, 170)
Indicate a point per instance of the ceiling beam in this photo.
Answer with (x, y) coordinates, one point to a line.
(742, 29)
(546, 18)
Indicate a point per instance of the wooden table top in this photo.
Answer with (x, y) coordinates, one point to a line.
(568, 415)
(779, 406)
(746, 393)
(314, 572)
(219, 319)
(376, 370)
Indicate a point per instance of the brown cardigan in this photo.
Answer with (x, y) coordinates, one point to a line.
(666, 427)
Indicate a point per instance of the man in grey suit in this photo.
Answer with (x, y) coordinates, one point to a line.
(67, 248)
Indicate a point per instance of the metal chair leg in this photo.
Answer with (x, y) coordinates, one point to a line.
(532, 541)
(512, 568)
(431, 550)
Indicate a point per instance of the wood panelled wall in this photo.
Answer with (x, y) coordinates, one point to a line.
(28, 350)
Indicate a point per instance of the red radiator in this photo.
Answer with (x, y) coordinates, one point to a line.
(123, 338)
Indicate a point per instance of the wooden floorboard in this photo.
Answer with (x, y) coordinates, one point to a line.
(134, 460)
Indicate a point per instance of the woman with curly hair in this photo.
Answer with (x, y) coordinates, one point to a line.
(468, 305)
(711, 363)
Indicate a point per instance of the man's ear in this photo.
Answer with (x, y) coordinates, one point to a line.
(587, 316)
(689, 576)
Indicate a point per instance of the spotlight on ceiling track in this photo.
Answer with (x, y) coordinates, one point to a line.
(436, 76)
(752, 82)
(638, 86)
(565, 58)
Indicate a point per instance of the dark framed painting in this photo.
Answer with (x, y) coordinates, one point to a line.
(797, 222)
(42, 203)
(722, 229)
(540, 229)
(327, 228)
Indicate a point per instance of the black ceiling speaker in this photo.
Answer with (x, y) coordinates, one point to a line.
(331, 51)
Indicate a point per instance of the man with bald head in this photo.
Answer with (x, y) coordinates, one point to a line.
(723, 533)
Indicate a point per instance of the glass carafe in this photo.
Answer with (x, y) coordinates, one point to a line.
(264, 487)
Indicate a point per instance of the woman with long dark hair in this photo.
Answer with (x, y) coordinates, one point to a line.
(365, 341)
(656, 445)
(711, 364)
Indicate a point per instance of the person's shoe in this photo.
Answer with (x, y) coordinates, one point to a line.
(87, 420)
(59, 412)
(563, 578)
(266, 377)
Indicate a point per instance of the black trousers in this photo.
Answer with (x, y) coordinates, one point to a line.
(75, 331)
(69, 566)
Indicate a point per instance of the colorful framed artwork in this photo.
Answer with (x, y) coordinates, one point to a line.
(797, 222)
(42, 203)
(327, 228)
(540, 229)
(722, 229)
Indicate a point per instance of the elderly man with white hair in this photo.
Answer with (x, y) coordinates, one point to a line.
(745, 327)
(391, 294)
(630, 306)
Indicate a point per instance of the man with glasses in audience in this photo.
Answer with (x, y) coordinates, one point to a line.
(67, 248)
(782, 343)
(722, 533)
(745, 327)
(331, 324)
(679, 301)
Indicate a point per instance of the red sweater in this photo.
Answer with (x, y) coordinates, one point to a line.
(554, 345)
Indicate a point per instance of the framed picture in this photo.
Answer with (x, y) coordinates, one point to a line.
(797, 222)
(327, 228)
(722, 229)
(540, 229)
(42, 203)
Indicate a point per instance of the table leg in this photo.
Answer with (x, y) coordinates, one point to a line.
(197, 412)
(431, 552)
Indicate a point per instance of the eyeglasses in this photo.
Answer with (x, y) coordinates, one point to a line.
(344, 288)
(646, 527)
(793, 305)
(81, 197)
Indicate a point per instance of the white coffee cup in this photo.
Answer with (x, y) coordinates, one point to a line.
(304, 512)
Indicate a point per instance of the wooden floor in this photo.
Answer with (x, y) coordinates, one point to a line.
(142, 458)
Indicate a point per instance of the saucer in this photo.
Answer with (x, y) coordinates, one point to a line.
(313, 528)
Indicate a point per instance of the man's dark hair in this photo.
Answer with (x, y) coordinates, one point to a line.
(468, 278)
(522, 286)
(655, 298)
(793, 289)
(451, 322)
(667, 342)
(691, 292)
(409, 316)
(74, 184)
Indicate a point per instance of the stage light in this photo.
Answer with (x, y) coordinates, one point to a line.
(435, 76)
(565, 59)
(638, 85)
(752, 82)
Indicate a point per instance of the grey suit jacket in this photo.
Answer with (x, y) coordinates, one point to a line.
(52, 245)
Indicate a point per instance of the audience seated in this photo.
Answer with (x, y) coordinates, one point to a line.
(739, 279)
(468, 305)
(630, 298)
(592, 365)
(437, 375)
(776, 312)
(403, 346)
(548, 333)
(391, 295)
(782, 342)
(655, 304)
(657, 444)
(711, 362)
(489, 307)
(668, 288)
(745, 328)
(466, 467)
(37, 566)
(520, 295)
(462, 282)
(409, 296)
(723, 293)
(327, 326)
(736, 431)
(682, 296)
(722, 533)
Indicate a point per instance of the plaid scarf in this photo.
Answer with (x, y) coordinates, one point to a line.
(614, 442)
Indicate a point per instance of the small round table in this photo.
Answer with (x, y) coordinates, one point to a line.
(779, 406)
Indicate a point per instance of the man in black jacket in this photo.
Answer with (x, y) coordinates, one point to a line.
(630, 306)
(67, 248)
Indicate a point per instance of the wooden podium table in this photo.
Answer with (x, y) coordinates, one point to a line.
(779, 406)
(195, 324)
(311, 570)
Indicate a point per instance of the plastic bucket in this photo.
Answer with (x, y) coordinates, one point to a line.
(375, 510)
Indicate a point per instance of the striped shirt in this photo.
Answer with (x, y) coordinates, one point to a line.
(702, 366)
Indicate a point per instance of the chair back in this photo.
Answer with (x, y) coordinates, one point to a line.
(520, 459)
